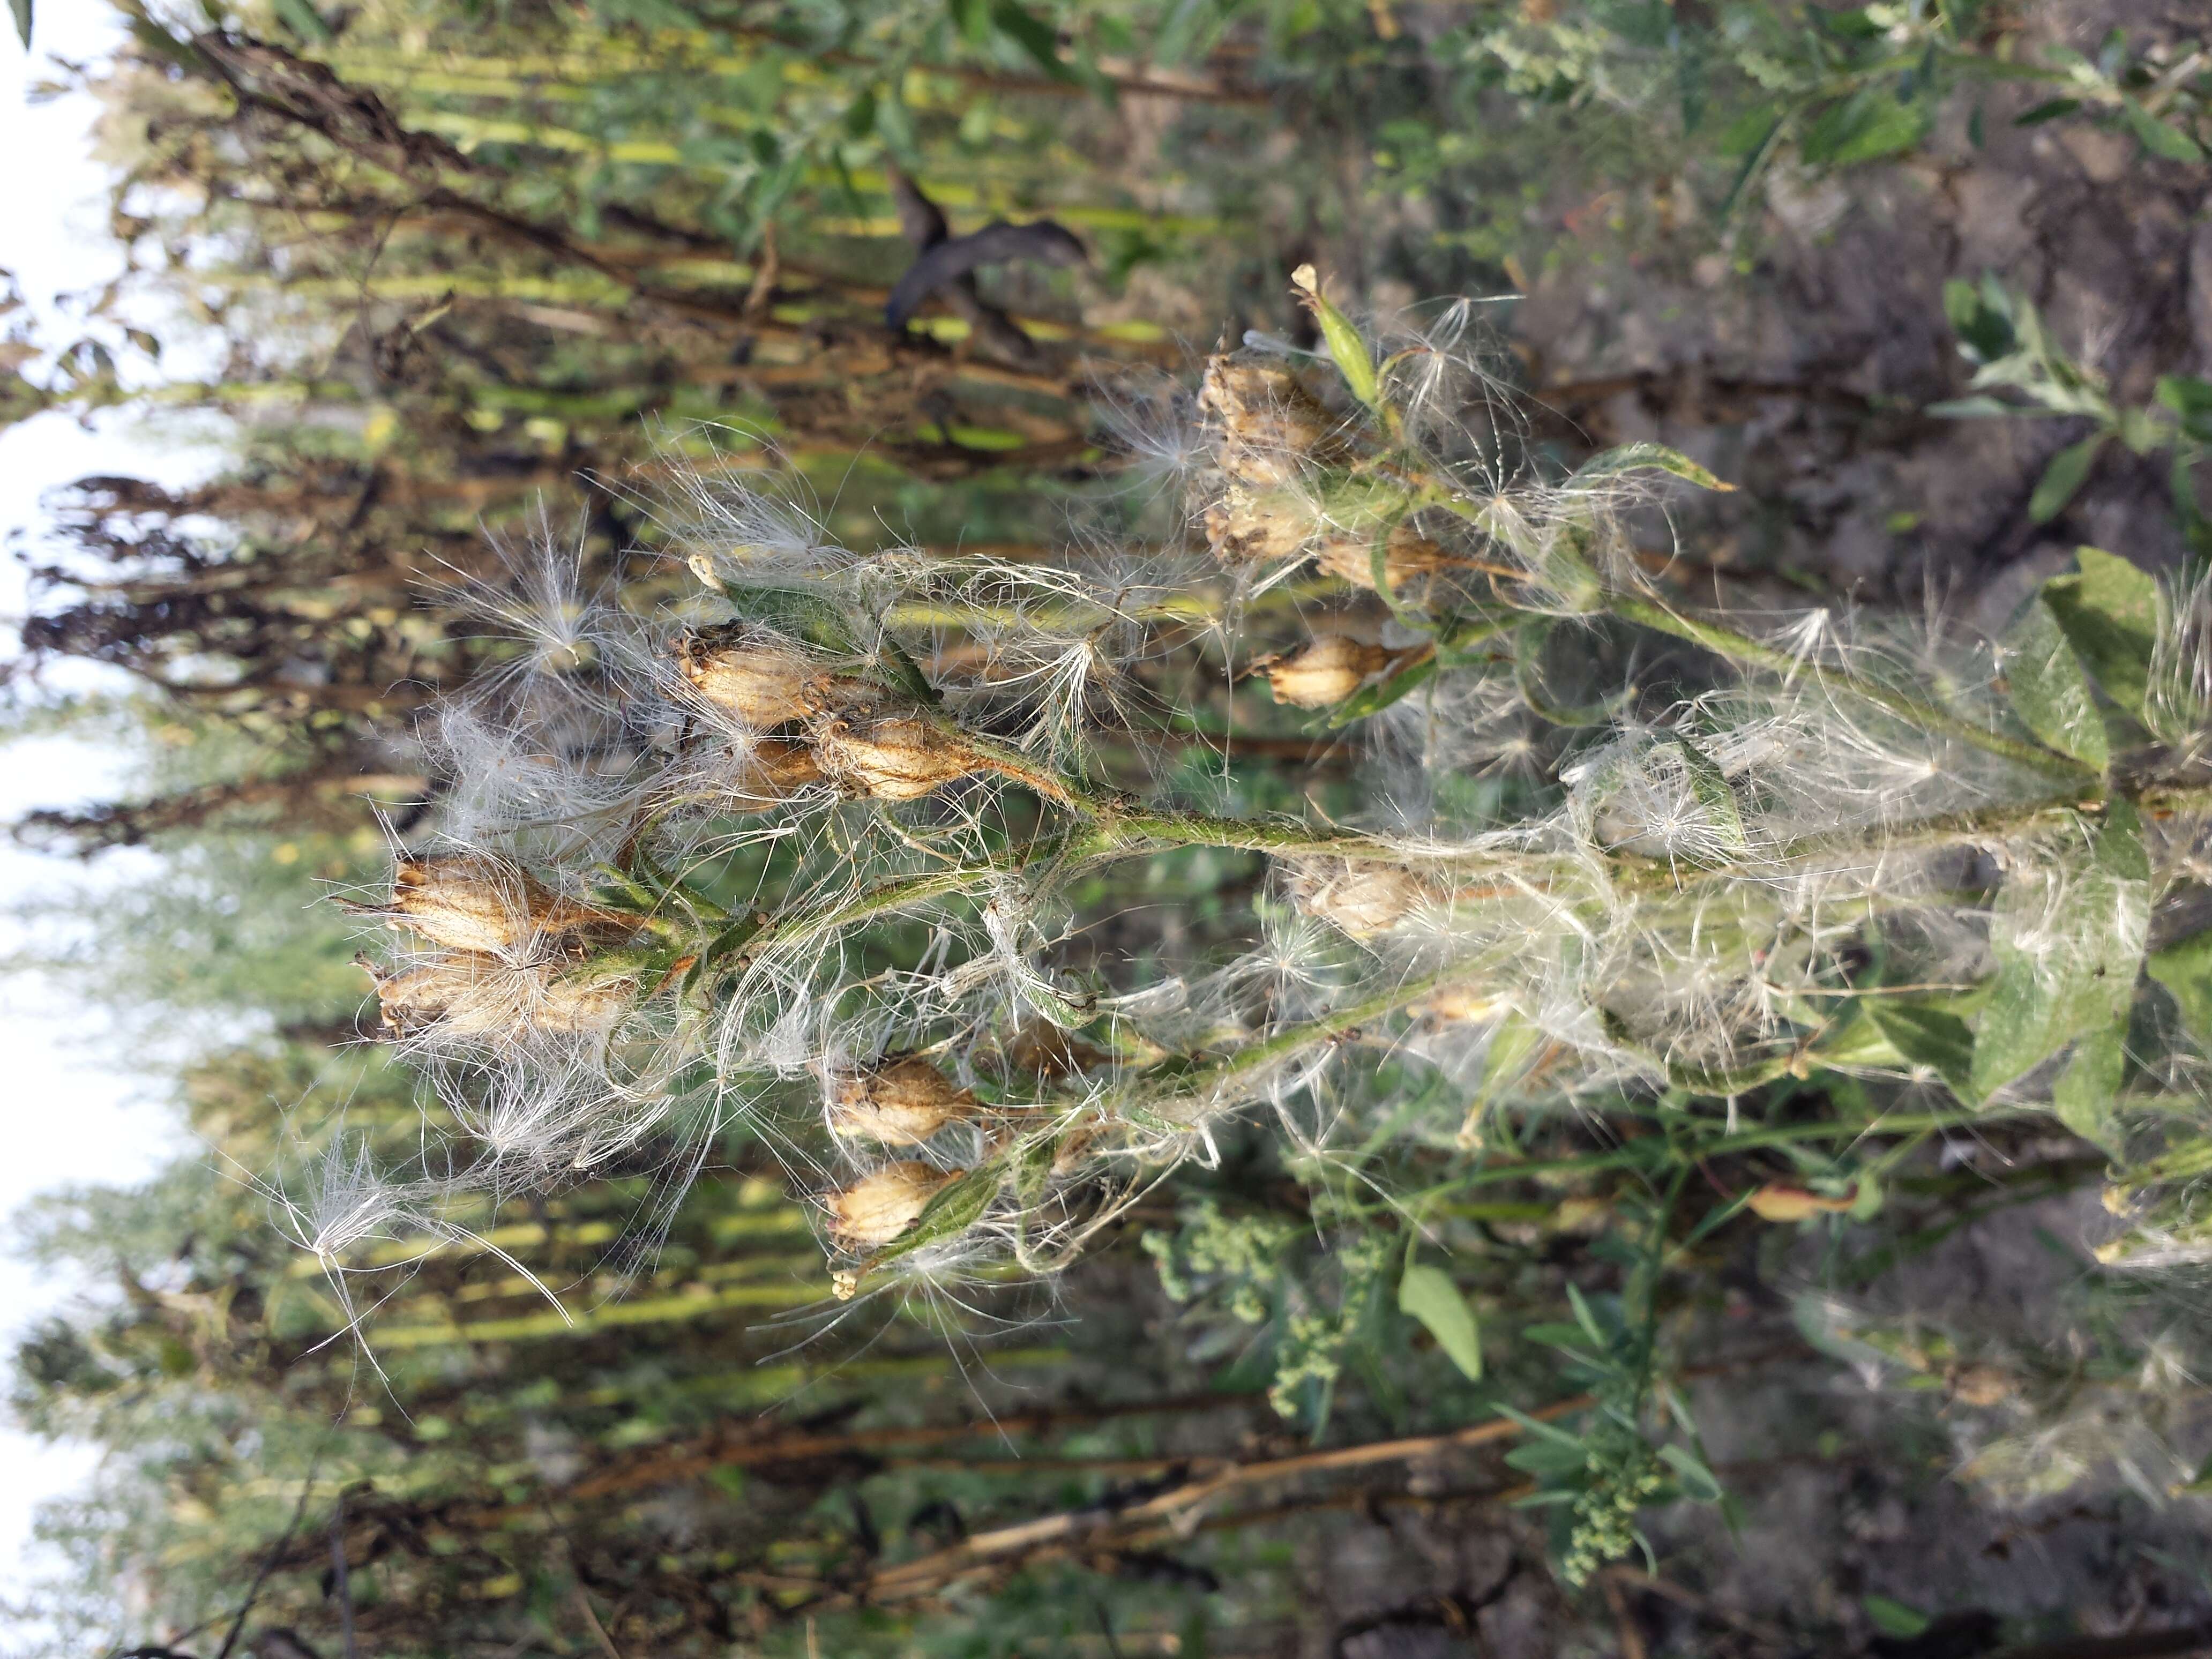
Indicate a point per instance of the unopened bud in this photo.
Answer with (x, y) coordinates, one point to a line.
(1267, 427)
(1324, 671)
(900, 1104)
(877, 1209)
(893, 756)
(470, 902)
(774, 770)
(758, 677)
(1362, 899)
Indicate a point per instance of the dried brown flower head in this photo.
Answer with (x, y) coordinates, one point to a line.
(1362, 899)
(1267, 427)
(758, 677)
(774, 770)
(901, 1104)
(470, 902)
(893, 756)
(1408, 556)
(1323, 671)
(877, 1209)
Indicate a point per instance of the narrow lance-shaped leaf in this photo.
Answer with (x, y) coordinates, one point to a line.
(1645, 457)
(2063, 478)
(1429, 1294)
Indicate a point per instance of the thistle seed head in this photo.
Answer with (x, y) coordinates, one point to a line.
(901, 1104)
(465, 994)
(774, 770)
(1407, 556)
(877, 1209)
(1255, 527)
(759, 678)
(1362, 900)
(892, 756)
(1267, 427)
(471, 903)
(1323, 671)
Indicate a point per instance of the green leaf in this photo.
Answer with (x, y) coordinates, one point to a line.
(1714, 798)
(1979, 407)
(1928, 1036)
(1698, 1482)
(2160, 137)
(2048, 689)
(1429, 1294)
(792, 611)
(1645, 457)
(1749, 133)
(2068, 471)
(1894, 1618)
(1345, 348)
(2048, 111)
(1868, 124)
(972, 18)
(2185, 970)
(22, 9)
(1034, 36)
(2061, 975)
(2191, 399)
(1547, 1460)
(2109, 613)
(2086, 1094)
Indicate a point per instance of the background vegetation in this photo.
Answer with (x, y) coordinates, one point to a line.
(1928, 282)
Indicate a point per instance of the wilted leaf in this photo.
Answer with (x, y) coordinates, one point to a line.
(2109, 614)
(1429, 1294)
(2049, 689)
